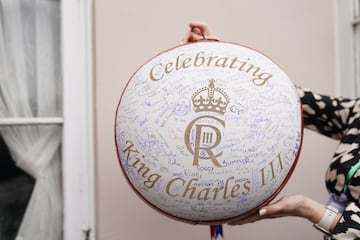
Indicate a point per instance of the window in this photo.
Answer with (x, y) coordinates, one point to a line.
(46, 106)
(31, 118)
(356, 27)
(78, 129)
(347, 41)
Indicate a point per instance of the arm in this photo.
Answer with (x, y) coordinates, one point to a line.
(295, 205)
(326, 115)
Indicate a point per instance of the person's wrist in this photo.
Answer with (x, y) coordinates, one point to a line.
(313, 210)
(328, 220)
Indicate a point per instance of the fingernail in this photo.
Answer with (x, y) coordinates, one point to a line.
(262, 212)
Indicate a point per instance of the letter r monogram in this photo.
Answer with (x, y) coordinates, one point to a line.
(199, 140)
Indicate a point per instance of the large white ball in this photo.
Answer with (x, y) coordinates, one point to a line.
(208, 132)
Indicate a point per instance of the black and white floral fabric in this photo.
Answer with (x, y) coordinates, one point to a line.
(338, 118)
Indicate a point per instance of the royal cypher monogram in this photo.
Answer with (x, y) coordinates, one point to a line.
(202, 134)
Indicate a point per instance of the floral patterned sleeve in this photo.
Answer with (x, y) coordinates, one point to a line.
(338, 118)
(326, 115)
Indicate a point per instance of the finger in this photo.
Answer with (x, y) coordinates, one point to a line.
(192, 37)
(200, 25)
(282, 207)
(197, 30)
(200, 29)
(272, 212)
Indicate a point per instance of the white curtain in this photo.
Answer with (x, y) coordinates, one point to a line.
(30, 86)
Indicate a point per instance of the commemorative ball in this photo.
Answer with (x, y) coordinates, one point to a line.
(208, 132)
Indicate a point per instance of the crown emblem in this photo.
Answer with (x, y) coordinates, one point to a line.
(210, 98)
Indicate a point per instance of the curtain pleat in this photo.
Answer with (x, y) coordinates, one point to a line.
(30, 83)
